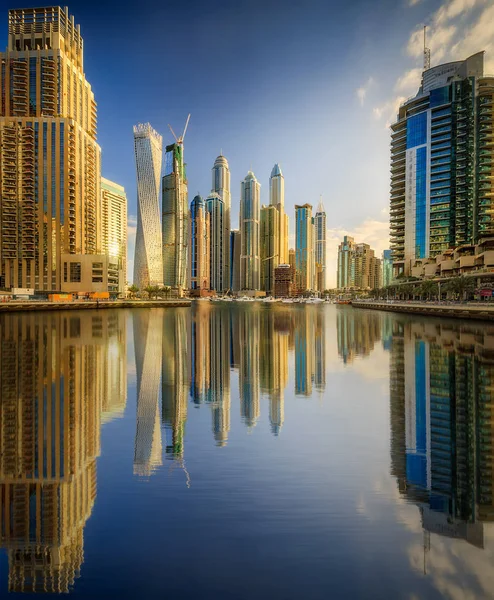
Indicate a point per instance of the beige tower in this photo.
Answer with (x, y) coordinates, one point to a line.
(50, 161)
(269, 246)
(114, 233)
(277, 199)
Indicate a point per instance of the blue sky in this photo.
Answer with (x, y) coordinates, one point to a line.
(309, 84)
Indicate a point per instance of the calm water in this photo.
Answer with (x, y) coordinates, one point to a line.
(246, 452)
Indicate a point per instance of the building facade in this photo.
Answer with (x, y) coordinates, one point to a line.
(114, 227)
(250, 193)
(175, 218)
(148, 260)
(217, 214)
(441, 164)
(282, 281)
(320, 247)
(277, 199)
(269, 246)
(235, 248)
(221, 186)
(387, 266)
(346, 263)
(304, 250)
(50, 162)
(199, 255)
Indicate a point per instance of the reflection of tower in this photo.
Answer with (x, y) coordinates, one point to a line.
(147, 343)
(220, 395)
(273, 361)
(304, 352)
(250, 410)
(200, 353)
(114, 372)
(442, 438)
(50, 407)
(357, 332)
(174, 379)
(320, 351)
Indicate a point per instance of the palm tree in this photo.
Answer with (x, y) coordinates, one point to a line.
(133, 290)
(166, 289)
(428, 288)
(149, 289)
(461, 286)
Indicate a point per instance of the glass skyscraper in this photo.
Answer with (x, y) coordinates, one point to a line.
(250, 192)
(441, 164)
(217, 249)
(320, 249)
(148, 263)
(221, 186)
(304, 251)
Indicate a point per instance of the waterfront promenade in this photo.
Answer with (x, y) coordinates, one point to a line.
(27, 305)
(482, 311)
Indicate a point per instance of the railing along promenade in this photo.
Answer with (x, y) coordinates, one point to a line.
(459, 310)
(38, 305)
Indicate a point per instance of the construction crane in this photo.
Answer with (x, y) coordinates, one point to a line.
(180, 140)
(269, 257)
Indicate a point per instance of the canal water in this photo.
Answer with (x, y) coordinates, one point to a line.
(246, 451)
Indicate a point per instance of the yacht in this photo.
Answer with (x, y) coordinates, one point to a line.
(314, 301)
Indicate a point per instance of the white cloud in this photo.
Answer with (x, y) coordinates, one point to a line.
(371, 231)
(409, 82)
(362, 91)
(389, 110)
(413, 2)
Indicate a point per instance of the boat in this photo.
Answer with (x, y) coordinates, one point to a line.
(314, 301)
(287, 301)
(343, 301)
(269, 300)
(227, 299)
(245, 299)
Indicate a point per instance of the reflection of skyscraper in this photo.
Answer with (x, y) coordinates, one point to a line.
(148, 261)
(304, 352)
(147, 343)
(200, 353)
(174, 380)
(357, 332)
(50, 408)
(250, 410)
(220, 394)
(441, 381)
(320, 351)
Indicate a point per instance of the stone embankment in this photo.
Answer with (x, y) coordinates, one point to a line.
(28, 306)
(458, 311)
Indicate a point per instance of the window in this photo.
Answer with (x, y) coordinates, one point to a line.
(75, 272)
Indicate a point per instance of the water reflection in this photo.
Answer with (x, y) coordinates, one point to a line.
(61, 376)
(442, 427)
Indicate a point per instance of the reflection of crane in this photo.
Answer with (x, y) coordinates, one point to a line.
(180, 139)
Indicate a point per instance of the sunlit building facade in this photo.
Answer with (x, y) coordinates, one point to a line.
(175, 218)
(269, 246)
(304, 249)
(320, 247)
(50, 162)
(277, 199)
(200, 246)
(148, 259)
(221, 186)
(250, 193)
(114, 230)
(217, 214)
(441, 164)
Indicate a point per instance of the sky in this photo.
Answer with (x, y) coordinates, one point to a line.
(310, 84)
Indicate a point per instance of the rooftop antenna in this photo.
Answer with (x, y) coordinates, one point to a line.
(427, 51)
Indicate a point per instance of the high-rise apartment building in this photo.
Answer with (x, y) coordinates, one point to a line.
(199, 255)
(441, 164)
(114, 229)
(346, 263)
(277, 199)
(50, 167)
(387, 266)
(148, 259)
(221, 186)
(175, 218)
(269, 246)
(291, 262)
(320, 247)
(250, 193)
(235, 248)
(217, 214)
(304, 250)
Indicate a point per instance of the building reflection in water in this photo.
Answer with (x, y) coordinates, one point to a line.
(358, 331)
(60, 376)
(442, 430)
(148, 331)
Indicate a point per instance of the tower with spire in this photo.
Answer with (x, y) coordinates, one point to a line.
(320, 247)
(221, 187)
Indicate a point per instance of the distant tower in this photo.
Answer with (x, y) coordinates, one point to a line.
(250, 193)
(199, 254)
(320, 247)
(175, 215)
(148, 263)
(216, 210)
(277, 199)
(304, 253)
(221, 186)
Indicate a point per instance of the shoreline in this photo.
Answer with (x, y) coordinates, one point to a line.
(32, 306)
(458, 311)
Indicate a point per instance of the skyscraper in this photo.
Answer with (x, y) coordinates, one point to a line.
(277, 199)
(221, 186)
(304, 254)
(216, 210)
(199, 255)
(175, 218)
(441, 164)
(346, 263)
(49, 161)
(387, 266)
(250, 192)
(114, 231)
(320, 249)
(235, 248)
(148, 260)
(269, 246)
